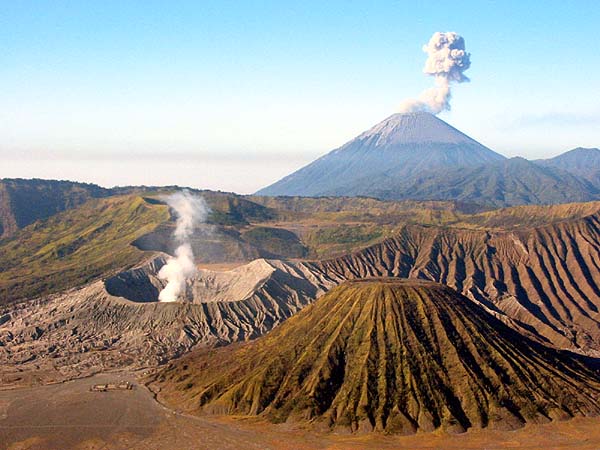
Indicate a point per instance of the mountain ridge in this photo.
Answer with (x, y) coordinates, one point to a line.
(511, 182)
(583, 162)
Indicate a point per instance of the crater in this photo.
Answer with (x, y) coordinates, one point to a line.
(142, 285)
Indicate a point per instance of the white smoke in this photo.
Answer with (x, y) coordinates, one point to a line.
(447, 61)
(190, 211)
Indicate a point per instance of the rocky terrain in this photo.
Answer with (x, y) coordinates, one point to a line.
(538, 280)
(390, 355)
(118, 322)
(543, 278)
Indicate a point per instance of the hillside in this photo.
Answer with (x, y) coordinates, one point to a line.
(117, 322)
(76, 246)
(417, 156)
(543, 279)
(84, 242)
(389, 355)
(538, 280)
(22, 202)
(403, 144)
(583, 162)
(512, 182)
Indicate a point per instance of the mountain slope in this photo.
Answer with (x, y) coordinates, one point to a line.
(118, 322)
(544, 279)
(404, 143)
(511, 182)
(541, 281)
(390, 355)
(583, 162)
(22, 202)
(75, 246)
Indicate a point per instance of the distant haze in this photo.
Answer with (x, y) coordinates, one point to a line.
(232, 174)
(275, 78)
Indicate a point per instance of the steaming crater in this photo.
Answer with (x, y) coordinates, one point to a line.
(119, 322)
(142, 284)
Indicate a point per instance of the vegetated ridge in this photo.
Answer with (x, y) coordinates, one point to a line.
(584, 162)
(395, 356)
(22, 202)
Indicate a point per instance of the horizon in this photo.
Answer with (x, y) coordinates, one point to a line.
(172, 164)
(235, 96)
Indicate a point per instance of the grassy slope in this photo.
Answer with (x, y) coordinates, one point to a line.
(333, 226)
(81, 244)
(394, 355)
(22, 202)
(75, 246)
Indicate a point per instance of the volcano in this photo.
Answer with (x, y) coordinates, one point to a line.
(390, 355)
(396, 148)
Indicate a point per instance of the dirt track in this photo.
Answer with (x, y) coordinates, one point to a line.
(68, 416)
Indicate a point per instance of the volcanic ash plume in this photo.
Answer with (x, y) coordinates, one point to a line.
(190, 211)
(447, 61)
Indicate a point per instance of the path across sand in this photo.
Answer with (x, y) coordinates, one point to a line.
(69, 416)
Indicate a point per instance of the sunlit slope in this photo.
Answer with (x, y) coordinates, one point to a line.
(22, 202)
(545, 278)
(76, 246)
(396, 148)
(391, 355)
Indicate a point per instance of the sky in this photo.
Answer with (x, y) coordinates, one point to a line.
(233, 95)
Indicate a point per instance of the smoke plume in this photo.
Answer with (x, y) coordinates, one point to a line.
(447, 61)
(190, 211)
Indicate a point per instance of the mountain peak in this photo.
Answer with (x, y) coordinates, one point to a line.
(395, 148)
(414, 128)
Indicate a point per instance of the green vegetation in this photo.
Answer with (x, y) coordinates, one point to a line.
(22, 202)
(93, 236)
(76, 246)
(529, 216)
(392, 355)
(512, 182)
(231, 209)
(275, 242)
(343, 239)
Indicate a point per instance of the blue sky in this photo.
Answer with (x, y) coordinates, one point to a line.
(233, 95)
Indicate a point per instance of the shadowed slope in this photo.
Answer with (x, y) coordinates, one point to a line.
(511, 182)
(390, 355)
(22, 202)
(584, 162)
(76, 246)
(544, 279)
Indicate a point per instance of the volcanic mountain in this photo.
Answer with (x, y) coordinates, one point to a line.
(584, 162)
(389, 355)
(417, 156)
(398, 147)
(511, 182)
